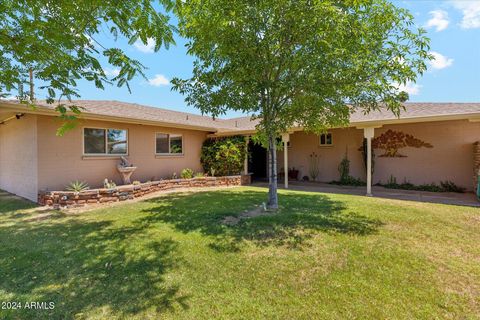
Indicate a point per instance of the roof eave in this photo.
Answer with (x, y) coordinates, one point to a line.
(91, 116)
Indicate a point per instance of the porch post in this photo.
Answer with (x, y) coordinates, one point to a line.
(368, 134)
(245, 162)
(285, 139)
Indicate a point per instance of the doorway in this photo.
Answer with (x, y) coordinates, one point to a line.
(257, 161)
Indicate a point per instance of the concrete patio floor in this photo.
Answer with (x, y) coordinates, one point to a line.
(461, 199)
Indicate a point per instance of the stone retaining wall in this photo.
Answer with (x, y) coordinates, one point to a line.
(73, 199)
(476, 163)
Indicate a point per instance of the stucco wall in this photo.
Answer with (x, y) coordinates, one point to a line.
(61, 159)
(303, 144)
(449, 159)
(18, 156)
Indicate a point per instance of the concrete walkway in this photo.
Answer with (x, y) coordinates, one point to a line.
(461, 199)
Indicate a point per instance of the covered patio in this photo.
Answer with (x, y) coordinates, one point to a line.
(460, 199)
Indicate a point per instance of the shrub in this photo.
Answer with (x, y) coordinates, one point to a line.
(174, 176)
(349, 181)
(445, 186)
(136, 183)
(109, 184)
(344, 169)
(363, 150)
(223, 156)
(77, 186)
(199, 175)
(449, 186)
(345, 178)
(314, 168)
(186, 173)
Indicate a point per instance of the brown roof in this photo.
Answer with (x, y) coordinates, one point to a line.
(418, 110)
(132, 111)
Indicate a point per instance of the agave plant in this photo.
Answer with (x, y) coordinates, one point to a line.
(78, 186)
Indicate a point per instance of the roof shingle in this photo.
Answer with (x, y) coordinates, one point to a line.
(135, 111)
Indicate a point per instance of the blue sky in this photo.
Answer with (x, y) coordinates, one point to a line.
(453, 26)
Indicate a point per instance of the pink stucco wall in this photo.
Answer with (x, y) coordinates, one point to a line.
(61, 159)
(451, 157)
(18, 156)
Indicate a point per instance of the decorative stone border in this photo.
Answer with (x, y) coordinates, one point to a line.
(59, 199)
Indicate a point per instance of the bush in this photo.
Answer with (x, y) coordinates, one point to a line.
(77, 186)
(445, 186)
(449, 186)
(199, 175)
(223, 156)
(349, 181)
(186, 173)
(345, 178)
(109, 184)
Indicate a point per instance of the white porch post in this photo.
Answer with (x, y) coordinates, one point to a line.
(368, 133)
(285, 139)
(245, 162)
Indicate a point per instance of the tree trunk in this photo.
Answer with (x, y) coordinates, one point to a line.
(272, 173)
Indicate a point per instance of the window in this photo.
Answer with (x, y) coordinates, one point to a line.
(169, 144)
(326, 139)
(104, 141)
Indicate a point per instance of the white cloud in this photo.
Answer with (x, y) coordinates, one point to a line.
(159, 80)
(440, 61)
(411, 88)
(471, 13)
(111, 72)
(149, 48)
(439, 20)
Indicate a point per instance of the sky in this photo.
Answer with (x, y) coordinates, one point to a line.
(454, 76)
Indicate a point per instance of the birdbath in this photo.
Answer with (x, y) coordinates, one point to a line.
(126, 170)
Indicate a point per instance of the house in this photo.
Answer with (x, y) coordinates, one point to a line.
(429, 142)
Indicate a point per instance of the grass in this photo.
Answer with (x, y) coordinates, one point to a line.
(322, 256)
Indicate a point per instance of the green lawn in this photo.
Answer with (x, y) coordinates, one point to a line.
(322, 256)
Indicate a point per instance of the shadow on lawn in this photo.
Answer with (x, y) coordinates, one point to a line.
(86, 265)
(298, 219)
(10, 202)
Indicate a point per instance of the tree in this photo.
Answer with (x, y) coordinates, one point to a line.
(303, 63)
(56, 42)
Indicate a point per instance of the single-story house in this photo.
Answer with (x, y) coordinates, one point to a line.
(429, 142)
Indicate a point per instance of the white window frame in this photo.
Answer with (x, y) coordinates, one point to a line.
(325, 144)
(106, 154)
(169, 153)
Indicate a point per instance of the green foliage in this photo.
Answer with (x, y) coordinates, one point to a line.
(171, 258)
(58, 42)
(186, 173)
(136, 183)
(199, 175)
(345, 178)
(298, 63)
(77, 186)
(449, 186)
(109, 184)
(445, 186)
(364, 151)
(349, 181)
(314, 168)
(344, 168)
(225, 156)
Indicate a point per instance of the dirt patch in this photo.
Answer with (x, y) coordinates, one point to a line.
(256, 212)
